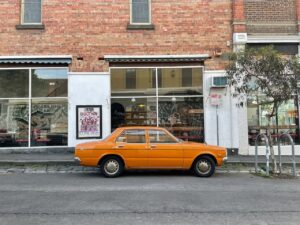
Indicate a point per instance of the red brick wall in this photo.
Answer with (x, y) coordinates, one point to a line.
(93, 28)
(271, 16)
(238, 12)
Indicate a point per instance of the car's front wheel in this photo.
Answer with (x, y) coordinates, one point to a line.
(112, 167)
(204, 166)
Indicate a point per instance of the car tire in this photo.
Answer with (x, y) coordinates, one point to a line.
(112, 167)
(204, 166)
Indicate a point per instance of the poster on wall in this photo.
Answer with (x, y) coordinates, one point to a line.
(88, 121)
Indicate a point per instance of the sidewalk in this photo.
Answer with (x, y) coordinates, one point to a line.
(67, 158)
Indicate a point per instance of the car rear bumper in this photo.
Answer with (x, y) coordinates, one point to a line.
(77, 160)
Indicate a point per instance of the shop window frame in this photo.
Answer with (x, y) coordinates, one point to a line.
(264, 127)
(30, 98)
(158, 85)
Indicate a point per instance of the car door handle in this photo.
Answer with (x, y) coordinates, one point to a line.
(120, 146)
(152, 146)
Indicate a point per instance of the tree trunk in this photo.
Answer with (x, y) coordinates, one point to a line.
(269, 135)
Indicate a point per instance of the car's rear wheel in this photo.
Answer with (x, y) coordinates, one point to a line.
(204, 166)
(112, 167)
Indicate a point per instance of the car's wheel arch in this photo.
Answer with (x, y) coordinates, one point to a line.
(207, 155)
(100, 161)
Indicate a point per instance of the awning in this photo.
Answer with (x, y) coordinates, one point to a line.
(155, 58)
(53, 59)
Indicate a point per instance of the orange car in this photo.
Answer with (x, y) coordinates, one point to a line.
(148, 148)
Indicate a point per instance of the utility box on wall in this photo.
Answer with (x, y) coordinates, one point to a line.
(219, 82)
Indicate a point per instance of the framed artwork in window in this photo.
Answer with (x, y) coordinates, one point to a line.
(88, 122)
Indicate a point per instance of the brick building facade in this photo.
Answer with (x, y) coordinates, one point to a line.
(90, 29)
(257, 24)
(157, 69)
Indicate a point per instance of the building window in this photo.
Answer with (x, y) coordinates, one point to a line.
(286, 119)
(140, 12)
(130, 79)
(160, 99)
(33, 107)
(31, 12)
(187, 76)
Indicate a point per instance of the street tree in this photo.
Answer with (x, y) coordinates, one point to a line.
(267, 73)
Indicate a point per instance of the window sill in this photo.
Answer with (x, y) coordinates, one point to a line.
(30, 27)
(140, 27)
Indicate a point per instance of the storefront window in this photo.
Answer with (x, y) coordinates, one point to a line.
(35, 116)
(180, 81)
(14, 122)
(133, 82)
(49, 83)
(14, 83)
(286, 119)
(182, 116)
(133, 112)
(169, 97)
(49, 122)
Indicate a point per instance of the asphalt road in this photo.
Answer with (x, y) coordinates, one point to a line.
(148, 198)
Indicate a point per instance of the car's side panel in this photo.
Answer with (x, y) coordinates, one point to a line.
(165, 156)
(191, 152)
(134, 155)
(88, 157)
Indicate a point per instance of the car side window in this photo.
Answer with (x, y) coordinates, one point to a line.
(132, 136)
(159, 136)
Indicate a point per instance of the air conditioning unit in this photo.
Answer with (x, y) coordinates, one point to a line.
(219, 82)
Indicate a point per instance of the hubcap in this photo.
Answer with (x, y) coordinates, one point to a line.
(203, 167)
(111, 167)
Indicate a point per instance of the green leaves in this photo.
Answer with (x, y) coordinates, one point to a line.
(263, 71)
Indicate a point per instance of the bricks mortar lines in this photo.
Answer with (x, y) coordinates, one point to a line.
(92, 29)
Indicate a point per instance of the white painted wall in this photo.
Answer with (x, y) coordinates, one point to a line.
(227, 114)
(88, 89)
(285, 150)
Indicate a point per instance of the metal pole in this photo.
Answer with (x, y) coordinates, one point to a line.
(267, 156)
(217, 107)
(294, 159)
(279, 153)
(267, 153)
(256, 152)
(293, 152)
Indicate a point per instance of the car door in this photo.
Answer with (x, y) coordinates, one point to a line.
(131, 144)
(165, 151)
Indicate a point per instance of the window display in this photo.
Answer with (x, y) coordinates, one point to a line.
(33, 114)
(167, 97)
(14, 121)
(49, 122)
(183, 116)
(286, 119)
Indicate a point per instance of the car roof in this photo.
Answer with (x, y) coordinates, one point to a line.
(140, 127)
